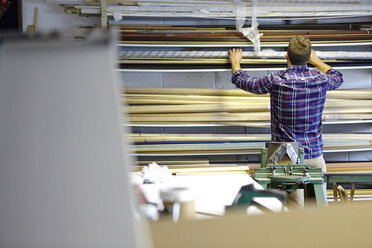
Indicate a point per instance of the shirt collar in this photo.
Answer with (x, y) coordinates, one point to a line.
(296, 68)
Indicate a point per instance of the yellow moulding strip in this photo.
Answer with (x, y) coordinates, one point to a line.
(222, 148)
(172, 123)
(207, 61)
(153, 137)
(257, 107)
(192, 96)
(231, 42)
(227, 107)
(190, 91)
(228, 117)
(180, 163)
(363, 94)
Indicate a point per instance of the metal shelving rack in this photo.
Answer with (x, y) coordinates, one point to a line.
(279, 45)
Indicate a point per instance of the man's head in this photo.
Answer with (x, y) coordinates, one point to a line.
(299, 50)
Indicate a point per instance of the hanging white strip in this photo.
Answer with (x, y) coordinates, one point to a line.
(252, 33)
(241, 12)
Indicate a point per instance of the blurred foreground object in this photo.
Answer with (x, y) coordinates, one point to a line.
(4, 5)
(63, 163)
(316, 227)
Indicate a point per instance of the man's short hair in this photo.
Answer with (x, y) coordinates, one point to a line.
(299, 50)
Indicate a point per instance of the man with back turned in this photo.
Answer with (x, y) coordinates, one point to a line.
(297, 96)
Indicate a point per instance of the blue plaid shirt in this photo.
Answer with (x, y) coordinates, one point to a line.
(297, 98)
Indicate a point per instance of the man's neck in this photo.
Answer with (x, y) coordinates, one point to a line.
(290, 64)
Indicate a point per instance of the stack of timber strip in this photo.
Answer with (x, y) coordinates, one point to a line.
(230, 143)
(334, 166)
(230, 106)
(175, 166)
(204, 36)
(167, 34)
(188, 106)
(222, 9)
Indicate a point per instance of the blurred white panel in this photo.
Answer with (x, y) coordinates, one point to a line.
(63, 170)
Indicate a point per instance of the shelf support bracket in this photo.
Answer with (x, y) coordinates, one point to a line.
(104, 14)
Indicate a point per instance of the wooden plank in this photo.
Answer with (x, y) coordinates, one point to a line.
(230, 117)
(173, 163)
(347, 169)
(145, 137)
(349, 164)
(208, 169)
(247, 42)
(191, 91)
(146, 60)
(200, 97)
(215, 117)
(231, 107)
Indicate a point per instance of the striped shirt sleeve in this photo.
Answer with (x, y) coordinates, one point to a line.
(334, 79)
(251, 84)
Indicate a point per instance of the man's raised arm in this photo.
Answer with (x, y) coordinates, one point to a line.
(315, 61)
(235, 55)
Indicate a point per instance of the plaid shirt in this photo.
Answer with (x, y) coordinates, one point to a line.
(297, 98)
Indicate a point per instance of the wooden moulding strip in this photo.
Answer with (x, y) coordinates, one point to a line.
(204, 98)
(363, 94)
(347, 117)
(232, 108)
(139, 99)
(292, 28)
(172, 162)
(135, 101)
(205, 38)
(228, 117)
(257, 107)
(359, 192)
(346, 110)
(192, 148)
(209, 173)
(187, 117)
(348, 169)
(201, 61)
(202, 123)
(229, 36)
(176, 61)
(198, 152)
(231, 42)
(347, 103)
(229, 137)
(189, 107)
(175, 170)
(188, 101)
(145, 31)
(164, 27)
(197, 139)
(350, 94)
(349, 165)
(190, 91)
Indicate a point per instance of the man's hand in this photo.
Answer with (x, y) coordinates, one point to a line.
(235, 55)
(314, 60)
